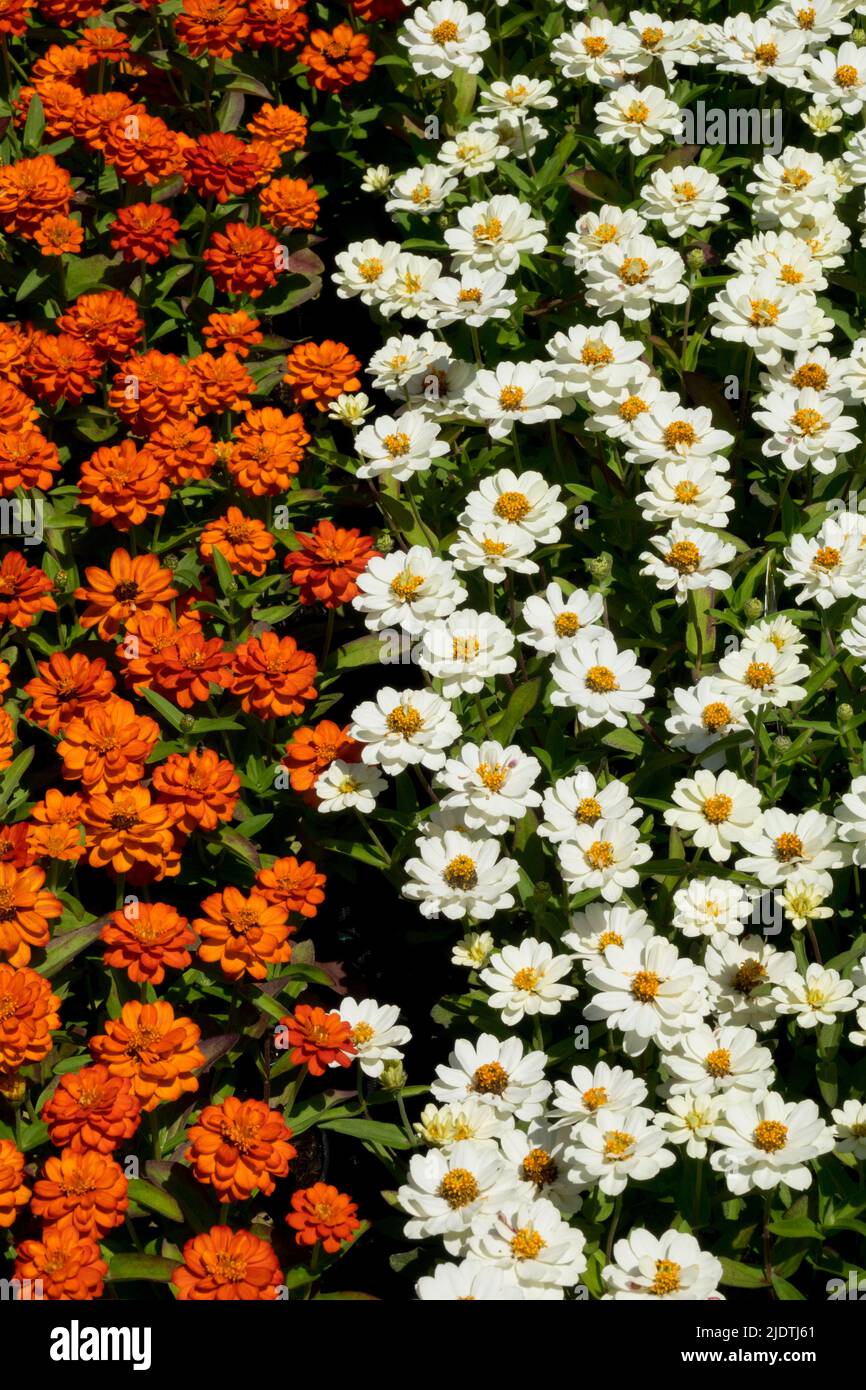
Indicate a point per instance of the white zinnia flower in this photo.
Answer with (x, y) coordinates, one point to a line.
(850, 1122)
(496, 1073)
(804, 895)
(758, 49)
(826, 567)
(648, 991)
(688, 559)
(578, 800)
(689, 1120)
(525, 981)
(595, 230)
(490, 784)
(702, 715)
(602, 683)
(714, 908)
(789, 188)
(594, 362)
(634, 275)
(604, 857)
(473, 950)
(377, 1035)
(444, 37)
(839, 79)
(599, 52)
(404, 728)
(399, 448)
(514, 393)
(455, 876)
(497, 549)
(494, 234)
(532, 1242)
(599, 926)
(609, 1150)
(784, 843)
(604, 1088)
(770, 318)
(736, 971)
(722, 1061)
(815, 998)
(466, 649)
(536, 1156)
(768, 1141)
(474, 299)
(669, 433)
(524, 499)
(469, 1281)
(763, 676)
(717, 811)
(453, 1192)
(667, 1267)
(344, 786)
(361, 266)
(407, 589)
(640, 117)
(805, 429)
(554, 620)
(442, 1125)
(683, 198)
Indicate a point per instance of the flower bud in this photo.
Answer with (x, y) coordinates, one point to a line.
(754, 609)
(600, 566)
(782, 744)
(384, 541)
(845, 712)
(13, 1087)
(695, 260)
(393, 1077)
(61, 579)
(187, 724)
(859, 36)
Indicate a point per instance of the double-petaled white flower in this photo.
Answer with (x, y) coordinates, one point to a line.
(493, 234)
(498, 1074)
(490, 784)
(839, 79)
(602, 1089)
(724, 1061)
(670, 1267)
(826, 567)
(738, 974)
(532, 1243)
(399, 448)
(815, 998)
(763, 675)
(600, 926)
(594, 362)
(604, 856)
(453, 1192)
(717, 811)
(524, 499)
(457, 876)
(610, 1150)
(688, 558)
(758, 49)
(713, 908)
(526, 980)
(349, 786)
(515, 393)
(683, 198)
(554, 620)
(466, 649)
(579, 801)
(767, 317)
(770, 1141)
(632, 276)
(702, 715)
(407, 589)
(444, 37)
(405, 728)
(640, 117)
(595, 230)
(784, 843)
(603, 684)
(648, 991)
(806, 429)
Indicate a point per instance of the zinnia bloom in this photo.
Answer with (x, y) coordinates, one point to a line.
(108, 322)
(59, 235)
(320, 372)
(185, 449)
(223, 383)
(66, 687)
(128, 833)
(145, 939)
(123, 486)
(273, 676)
(58, 832)
(313, 748)
(337, 59)
(236, 330)
(84, 1190)
(318, 1039)
(267, 449)
(153, 1049)
(13, 1193)
(61, 368)
(218, 27)
(91, 1110)
(220, 165)
(28, 1014)
(26, 908)
(24, 591)
(245, 935)
(245, 542)
(108, 745)
(243, 259)
(226, 1265)
(328, 563)
(289, 203)
(322, 1213)
(30, 191)
(277, 24)
(240, 1147)
(144, 232)
(201, 788)
(153, 388)
(13, 845)
(280, 126)
(142, 149)
(188, 667)
(68, 1266)
(130, 585)
(293, 886)
(27, 460)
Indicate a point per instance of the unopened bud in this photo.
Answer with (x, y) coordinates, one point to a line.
(13, 1087)
(61, 579)
(600, 566)
(695, 260)
(845, 712)
(753, 609)
(385, 542)
(187, 724)
(859, 36)
(782, 743)
(169, 562)
(393, 1077)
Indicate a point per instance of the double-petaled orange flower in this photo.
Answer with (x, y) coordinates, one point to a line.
(318, 1039)
(328, 563)
(201, 788)
(289, 203)
(243, 259)
(57, 832)
(267, 449)
(323, 1213)
(277, 24)
(97, 113)
(226, 1265)
(28, 1014)
(296, 887)
(67, 1266)
(188, 667)
(82, 1190)
(7, 738)
(220, 165)
(24, 591)
(26, 908)
(243, 541)
(13, 16)
(13, 1193)
(223, 383)
(27, 460)
(236, 330)
(157, 1052)
(17, 411)
(280, 126)
(240, 1147)
(107, 322)
(30, 191)
(127, 832)
(108, 746)
(337, 58)
(61, 368)
(59, 235)
(13, 844)
(142, 149)
(243, 935)
(91, 1110)
(146, 939)
(272, 676)
(66, 688)
(185, 449)
(123, 486)
(152, 388)
(218, 27)
(131, 585)
(320, 372)
(144, 232)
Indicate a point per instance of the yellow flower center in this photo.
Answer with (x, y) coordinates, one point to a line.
(605, 232)
(397, 444)
(749, 975)
(631, 407)
(526, 979)
(759, 675)
(446, 32)
(512, 506)
(652, 37)
(596, 354)
(797, 178)
(464, 648)
(406, 585)
(634, 270)
(461, 873)
(766, 54)
(469, 297)
(420, 193)
(637, 112)
(362, 1033)
(617, 1144)
(716, 809)
(806, 18)
(609, 938)
(808, 422)
(566, 624)
(716, 716)
(488, 229)
(538, 1167)
(600, 855)
(490, 1079)
(527, 1244)
(827, 558)
(684, 556)
(511, 398)
(588, 811)
(686, 191)
(459, 1188)
(370, 270)
(493, 547)
(493, 775)
(810, 375)
(645, 986)
(594, 45)
(595, 1098)
(667, 1279)
(764, 313)
(788, 847)
(847, 76)
(770, 1135)
(718, 1063)
(405, 720)
(601, 679)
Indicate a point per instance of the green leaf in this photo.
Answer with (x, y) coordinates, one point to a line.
(152, 1268)
(164, 707)
(66, 946)
(373, 1131)
(521, 701)
(35, 123)
(145, 1194)
(741, 1276)
(786, 1292)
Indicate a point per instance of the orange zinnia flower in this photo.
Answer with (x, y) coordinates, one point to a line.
(108, 322)
(67, 13)
(105, 42)
(280, 126)
(13, 16)
(201, 788)
(277, 24)
(13, 845)
(153, 388)
(14, 346)
(226, 1265)
(123, 486)
(267, 449)
(236, 330)
(289, 203)
(28, 1013)
(7, 738)
(24, 591)
(142, 149)
(243, 259)
(59, 235)
(131, 585)
(246, 543)
(220, 165)
(223, 383)
(108, 746)
(144, 232)
(218, 27)
(188, 668)
(13, 1193)
(337, 59)
(27, 460)
(322, 1213)
(84, 1191)
(245, 935)
(26, 908)
(91, 1110)
(61, 102)
(320, 372)
(97, 113)
(126, 832)
(30, 191)
(240, 1147)
(146, 938)
(328, 563)
(153, 1049)
(318, 1039)
(184, 448)
(273, 676)
(68, 1267)
(61, 842)
(295, 887)
(17, 411)
(60, 367)
(66, 687)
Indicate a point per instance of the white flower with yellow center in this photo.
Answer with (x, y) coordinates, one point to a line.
(422, 190)
(351, 410)
(605, 857)
(673, 433)
(496, 548)
(536, 1158)
(520, 93)
(453, 1192)
(596, 230)
(767, 317)
(648, 991)
(525, 980)
(853, 638)
(456, 876)
(757, 49)
(791, 187)
(716, 810)
(805, 429)
(639, 117)
(667, 41)
(609, 1150)
(439, 391)
(466, 649)
(839, 79)
(376, 1034)
(629, 404)
(784, 257)
(599, 926)
(804, 896)
(491, 784)
(407, 589)
(494, 234)
(524, 499)
(601, 1090)
(514, 393)
(826, 567)
(689, 1120)
(578, 800)
(703, 714)
(670, 1268)
(850, 1123)
(817, 369)
(532, 1243)
(826, 236)
(475, 298)
(404, 728)
(714, 908)
(594, 362)
(683, 198)
(688, 559)
(349, 786)
(477, 150)
(441, 1125)
(407, 286)
(361, 267)
(598, 52)
(603, 684)
(815, 998)
(554, 620)
(498, 1074)
(816, 20)
(519, 132)
(763, 675)
(631, 277)
(739, 974)
(770, 1141)
(851, 816)
(473, 950)
(444, 37)
(784, 843)
(403, 357)
(785, 636)
(399, 448)
(722, 1061)
(468, 1282)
